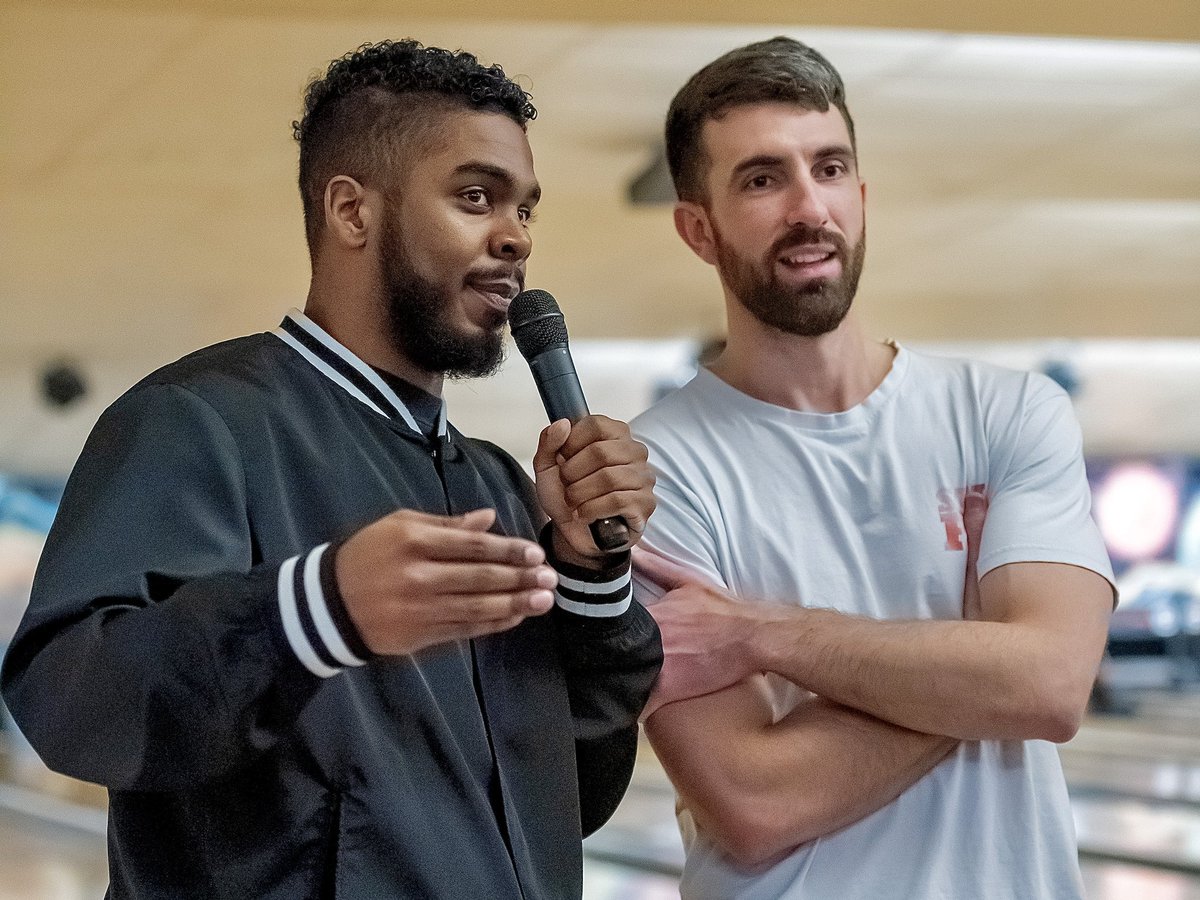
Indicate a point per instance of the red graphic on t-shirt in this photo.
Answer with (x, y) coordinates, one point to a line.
(951, 502)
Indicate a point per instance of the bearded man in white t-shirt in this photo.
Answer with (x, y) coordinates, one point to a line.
(881, 593)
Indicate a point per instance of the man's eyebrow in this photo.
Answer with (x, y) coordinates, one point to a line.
(497, 173)
(844, 151)
(754, 162)
(767, 160)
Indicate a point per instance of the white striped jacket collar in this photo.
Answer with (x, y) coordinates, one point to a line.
(347, 371)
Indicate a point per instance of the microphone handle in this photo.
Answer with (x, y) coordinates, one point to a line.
(562, 396)
(558, 384)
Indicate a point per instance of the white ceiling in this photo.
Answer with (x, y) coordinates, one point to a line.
(1020, 187)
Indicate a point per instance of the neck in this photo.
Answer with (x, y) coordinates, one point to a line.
(829, 373)
(358, 321)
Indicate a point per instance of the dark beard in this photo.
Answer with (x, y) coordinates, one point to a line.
(417, 319)
(808, 310)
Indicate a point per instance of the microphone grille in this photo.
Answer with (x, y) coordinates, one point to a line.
(536, 322)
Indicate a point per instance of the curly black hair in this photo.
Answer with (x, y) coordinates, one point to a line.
(376, 104)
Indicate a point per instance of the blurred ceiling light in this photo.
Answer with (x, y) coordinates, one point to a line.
(1137, 507)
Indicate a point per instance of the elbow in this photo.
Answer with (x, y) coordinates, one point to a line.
(753, 835)
(1066, 691)
(1055, 706)
(753, 851)
(1054, 722)
(746, 844)
(1061, 717)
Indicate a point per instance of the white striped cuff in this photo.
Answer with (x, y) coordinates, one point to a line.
(307, 623)
(595, 600)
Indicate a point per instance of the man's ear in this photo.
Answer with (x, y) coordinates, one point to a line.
(693, 225)
(349, 212)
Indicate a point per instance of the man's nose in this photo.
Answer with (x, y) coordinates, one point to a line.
(511, 240)
(807, 204)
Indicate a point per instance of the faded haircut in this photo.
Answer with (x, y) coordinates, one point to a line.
(377, 105)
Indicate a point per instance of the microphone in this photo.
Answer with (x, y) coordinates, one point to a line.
(540, 331)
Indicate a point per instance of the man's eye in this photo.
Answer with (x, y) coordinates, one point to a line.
(759, 181)
(833, 169)
(475, 196)
(525, 214)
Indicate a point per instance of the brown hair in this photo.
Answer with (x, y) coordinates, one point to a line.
(779, 70)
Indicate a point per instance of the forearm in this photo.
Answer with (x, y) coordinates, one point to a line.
(610, 645)
(611, 653)
(1025, 672)
(164, 695)
(759, 788)
(152, 654)
(972, 680)
(610, 667)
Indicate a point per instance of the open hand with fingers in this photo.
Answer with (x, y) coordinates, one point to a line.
(974, 512)
(592, 469)
(707, 635)
(411, 580)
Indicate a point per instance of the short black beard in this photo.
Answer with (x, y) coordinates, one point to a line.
(808, 310)
(417, 319)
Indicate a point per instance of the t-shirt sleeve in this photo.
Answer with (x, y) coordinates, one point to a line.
(1039, 501)
(680, 530)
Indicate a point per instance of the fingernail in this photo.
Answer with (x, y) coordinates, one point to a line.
(541, 600)
(533, 555)
(547, 577)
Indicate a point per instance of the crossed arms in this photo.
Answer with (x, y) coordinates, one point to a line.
(889, 699)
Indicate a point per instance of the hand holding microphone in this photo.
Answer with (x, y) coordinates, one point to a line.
(593, 479)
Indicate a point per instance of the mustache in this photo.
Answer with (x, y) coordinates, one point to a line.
(800, 233)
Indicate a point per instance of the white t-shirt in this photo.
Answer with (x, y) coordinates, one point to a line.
(861, 511)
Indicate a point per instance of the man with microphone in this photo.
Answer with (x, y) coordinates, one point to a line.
(882, 597)
(304, 630)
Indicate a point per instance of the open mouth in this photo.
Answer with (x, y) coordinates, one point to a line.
(498, 294)
(811, 255)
